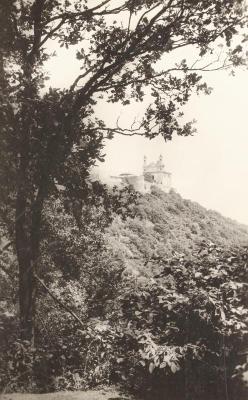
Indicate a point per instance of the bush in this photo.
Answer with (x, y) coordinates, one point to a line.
(189, 323)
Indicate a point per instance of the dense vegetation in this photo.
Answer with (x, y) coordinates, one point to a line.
(135, 292)
(167, 223)
(91, 304)
(124, 51)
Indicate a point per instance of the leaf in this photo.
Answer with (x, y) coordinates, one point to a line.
(222, 314)
(156, 361)
(151, 367)
(174, 367)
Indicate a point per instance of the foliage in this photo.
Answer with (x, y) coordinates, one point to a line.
(166, 223)
(51, 137)
(80, 270)
(190, 321)
(176, 328)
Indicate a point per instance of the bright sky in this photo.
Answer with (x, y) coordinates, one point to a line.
(211, 167)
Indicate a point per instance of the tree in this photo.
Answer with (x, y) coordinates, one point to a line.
(51, 138)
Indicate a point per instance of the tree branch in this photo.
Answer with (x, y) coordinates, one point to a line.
(49, 34)
(58, 301)
(36, 13)
(81, 76)
(147, 12)
(106, 73)
(88, 12)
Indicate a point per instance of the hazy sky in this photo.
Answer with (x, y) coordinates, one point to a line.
(211, 167)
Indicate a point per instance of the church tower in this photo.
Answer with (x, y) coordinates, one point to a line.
(160, 163)
(145, 162)
(156, 175)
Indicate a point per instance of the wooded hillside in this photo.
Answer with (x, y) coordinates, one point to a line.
(144, 291)
(165, 223)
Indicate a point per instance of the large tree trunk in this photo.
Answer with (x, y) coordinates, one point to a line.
(26, 279)
(28, 214)
(26, 299)
(28, 224)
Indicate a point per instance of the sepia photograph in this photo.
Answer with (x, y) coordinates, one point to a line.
(124, 200)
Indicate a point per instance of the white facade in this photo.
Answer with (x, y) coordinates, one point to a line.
(154, 174)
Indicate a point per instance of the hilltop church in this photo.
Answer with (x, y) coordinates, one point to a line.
(154, 174)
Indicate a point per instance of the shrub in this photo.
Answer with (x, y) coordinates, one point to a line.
(189, 324)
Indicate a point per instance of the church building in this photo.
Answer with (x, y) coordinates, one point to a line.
(154, 174)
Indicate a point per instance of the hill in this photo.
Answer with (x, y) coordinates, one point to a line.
(165, 223)
(113, 306)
